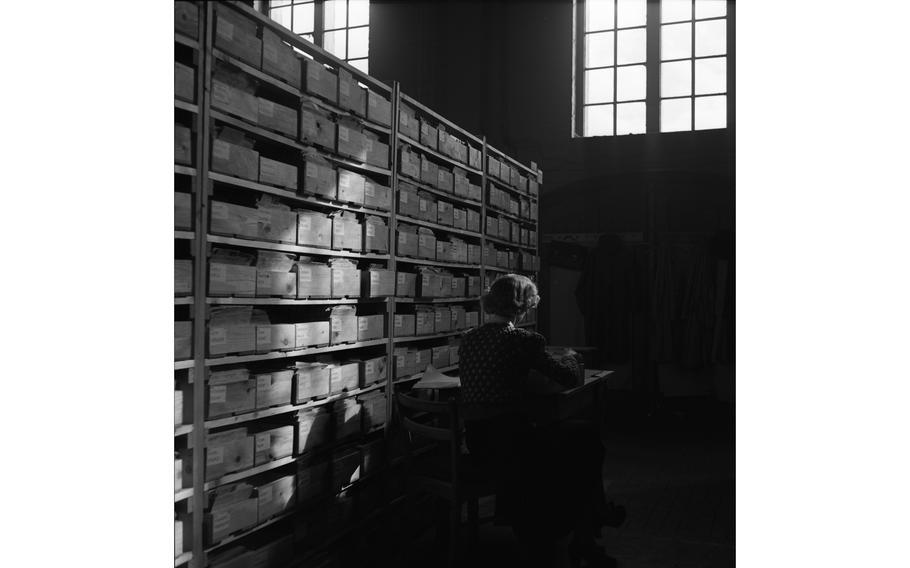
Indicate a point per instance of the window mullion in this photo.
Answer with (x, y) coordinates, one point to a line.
(692, 72)
(652, 68)
(615, 58)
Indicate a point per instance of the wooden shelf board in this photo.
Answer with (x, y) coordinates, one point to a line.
(290, 301)
(184, 40)
(359, 165)
(184, 301)
(457, 300)
(188, 364)
(409, 260)
(186, 235)
(184, 170)
(255, 130)
(250, 70)
(416, 376)
(187, 106)
(183, 429)
(415, 338)
(252, 243)
(183, 494)
(444, 194)
(274, 355)
(183, 558)
(438, 227)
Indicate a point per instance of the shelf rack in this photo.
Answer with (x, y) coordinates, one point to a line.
(205, 184)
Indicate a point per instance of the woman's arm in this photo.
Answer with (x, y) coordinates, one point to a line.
(564, 370)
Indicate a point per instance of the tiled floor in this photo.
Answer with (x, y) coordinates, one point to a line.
(675, 477)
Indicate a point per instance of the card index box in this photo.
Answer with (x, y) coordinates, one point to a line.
(183, 145)
(405, 284)
(350, 95)
(270, 283)
(314, 280)
(235, 160)
(273, 172)
(378, 282)
(376, 235)
(344, 377)
(277, 117)
(279, 59)
(237, 35)
(184, 82)
(228, 452)
(233, 508)
(274, 389)
(376, 196)
(232, 280)
(276, 497)
(314, 229)
(311, 382)
(311, 334)
(343, 324)
(313, 429)
(230, 392)
(379, 109)
(274, 444)
(186, 18)
(320, 81)
(319, 178)
(317, 126)
(183, 277)
(370, 327)
(275, 337)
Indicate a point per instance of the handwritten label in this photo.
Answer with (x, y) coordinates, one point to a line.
(263, 335)
(305, 223)
(214, 456)
(263, 442)
(438, 317)
(424, 165)
(371, 230)
(363, 324)
(343, 134)
(218, 336)
(399, 321)
(304, 274)
(422, 241)
(221, 150)
(338, 229)
(218, 394)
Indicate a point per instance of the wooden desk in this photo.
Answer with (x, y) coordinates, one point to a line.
(576, 402)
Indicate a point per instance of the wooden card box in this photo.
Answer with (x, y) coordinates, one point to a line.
(429, 172)
(184, 82)
(408, 201)
(345, 280)
(227, 339)
(314, 280)
(460, 184)
(314, 229)
(377, 151)
(320, 81)
(426, 243)
(441, 356)
(472, 319)
(347, 233)
(408, 243)
(186, 18)
(183, 211)
(235, 160)
(376, 196)
(347, 418)
(429, 135)
(405, 284)
(459, 287)
(373, 370)
(311, 334)
(230, 392)
(378, 282)
(233, 508)
(370, 327)
(274, 444)
(237, 35)
(273, 172)
(442, 319)
(276, 497)
(319, 178)
(350, 95)
(279, 59)
(408, 123)
(422, 358)
(313, 429)
(409, 163)
(379, 109)
(351, 141)
(274, 389)
(275, 337)
(183, 277)
(425, 320)
(228, 452)
(350, 186)
(445, 213)
(376, 235)
(445, 180)
(316, 126)
(344, 377)
(276, 284)
(343, 325)
(405, 325)
(183, 340)
(458, 318)
(459, 218)
(279, 118)
(311, 382)
(474, 157)
(473, 223)
(277, 225)
(374, 411)
(183, 145)
(313, 480)
(234, 101)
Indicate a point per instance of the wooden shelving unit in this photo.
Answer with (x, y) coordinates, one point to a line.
(192, 375)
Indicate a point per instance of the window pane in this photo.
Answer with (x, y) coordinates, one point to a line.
(675, 10)
(711, 75)
(282, 16)
(711, 38)
(334, 14)
(711, 112)
(631, 46)
(599, 49)
(631, 84)
(631, 13)
(676, 79)
(359, 42)
(676, 41)
(274, 3)
(359, 12)
(362, 64)
(630, 118)
(599, 86)
(598, 15)
(334, 43)
(710, 8)
(676, 115)
(599, 120)
(304, 18)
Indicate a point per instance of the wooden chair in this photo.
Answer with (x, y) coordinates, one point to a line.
(440, 468)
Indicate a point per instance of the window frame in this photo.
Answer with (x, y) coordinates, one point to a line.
(653, 31)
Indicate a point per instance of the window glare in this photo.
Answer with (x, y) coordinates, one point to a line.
(630, 118)
(676, 115)
(710, 112)
(675, 10)
(598, 120)
(598, 15)
(710, 38)
(599, 49)
(631, 46)
(631, 13)
(710, 8)
(599, 86)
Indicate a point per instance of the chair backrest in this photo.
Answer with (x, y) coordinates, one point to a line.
(437, 421)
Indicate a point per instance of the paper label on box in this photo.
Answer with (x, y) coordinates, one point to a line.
(265, 494)
(421, 319)
(456, 213)
(269, 51)
(214, 456)
(374, 276)
(308, 122)
(338, 228)
(369, 368)
(454, 284)
(267, 108)
(268, 168)
(425, 280)
(438, 317)
(305, 274)
(222, 93)
(305, 223)
(422, 240)
(263, 442)
(218, 394)
(221, 521)
(219, 211)
(336, 375)
(221, 150)
(312, 171)
(401, 277)
(345, 87)
(399, 361)
(368, 144)
(363, 324)
(368, 189)
(263, 334)
(218, 336)
(402, 240)
(424, 165)
(225, 29)
(404, 197)
(344, 180)
(399, 321)
(343, 133)
(371, 230)
(218, 272)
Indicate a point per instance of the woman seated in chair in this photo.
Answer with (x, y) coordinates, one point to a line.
(548, 478)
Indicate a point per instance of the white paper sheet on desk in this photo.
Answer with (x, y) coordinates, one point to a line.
(433, 379)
